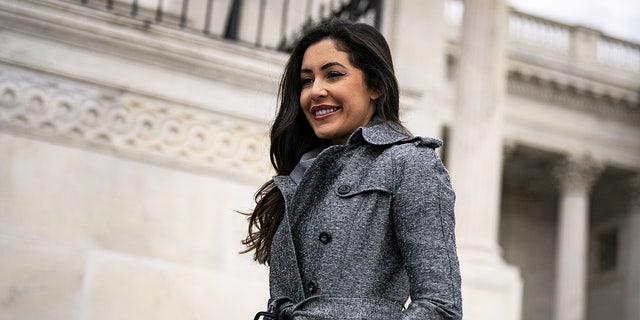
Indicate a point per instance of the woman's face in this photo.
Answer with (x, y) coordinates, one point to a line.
(334, 98)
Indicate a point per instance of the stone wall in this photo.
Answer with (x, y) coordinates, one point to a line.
(124, 156)
(85, 235)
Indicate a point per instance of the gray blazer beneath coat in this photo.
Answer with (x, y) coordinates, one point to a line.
(370, 224)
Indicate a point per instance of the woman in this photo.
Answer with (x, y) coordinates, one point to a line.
(360, 215)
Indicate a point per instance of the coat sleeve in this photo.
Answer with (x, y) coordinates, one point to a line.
(424, 225)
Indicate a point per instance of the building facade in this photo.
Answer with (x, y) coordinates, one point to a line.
(133, 134)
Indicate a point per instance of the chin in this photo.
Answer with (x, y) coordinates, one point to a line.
(324, 136)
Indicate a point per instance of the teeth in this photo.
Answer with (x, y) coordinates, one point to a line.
(324, 111)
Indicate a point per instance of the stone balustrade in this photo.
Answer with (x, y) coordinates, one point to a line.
(526, 29)
(618, 53)
(572, 44)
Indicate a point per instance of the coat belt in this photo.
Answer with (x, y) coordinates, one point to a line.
(331, 308)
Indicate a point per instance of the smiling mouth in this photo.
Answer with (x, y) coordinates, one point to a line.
(321, 111)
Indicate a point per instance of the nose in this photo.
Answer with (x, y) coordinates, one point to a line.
(318, 89)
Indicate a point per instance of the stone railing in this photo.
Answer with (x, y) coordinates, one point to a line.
(618, 53)
(534, 31)
(573, 44)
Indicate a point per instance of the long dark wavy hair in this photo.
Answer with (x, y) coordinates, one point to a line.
(292, 136)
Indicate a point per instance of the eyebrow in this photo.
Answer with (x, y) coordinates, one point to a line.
(324, 67)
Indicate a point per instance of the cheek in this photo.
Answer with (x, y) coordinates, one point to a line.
(305, 102)
(304, 98)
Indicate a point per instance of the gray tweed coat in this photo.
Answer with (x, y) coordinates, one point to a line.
(368, 225)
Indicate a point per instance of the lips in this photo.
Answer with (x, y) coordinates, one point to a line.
(323, 111)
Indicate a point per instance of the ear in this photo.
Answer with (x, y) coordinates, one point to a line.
(375, 94)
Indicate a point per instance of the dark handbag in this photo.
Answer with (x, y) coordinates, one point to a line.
(277, 310)
(265, 315)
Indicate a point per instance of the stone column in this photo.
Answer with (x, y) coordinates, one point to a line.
(576, 177)
(417, 39)
(491, 288)
(416, 30)
(633, 276)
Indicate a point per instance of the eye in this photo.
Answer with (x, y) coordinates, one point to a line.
(335, 74)
(306, 81)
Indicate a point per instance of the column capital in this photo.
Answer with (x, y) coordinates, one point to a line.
(577, 173)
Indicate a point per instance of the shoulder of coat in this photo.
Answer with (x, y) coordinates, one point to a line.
(413, 149)
(427, 142)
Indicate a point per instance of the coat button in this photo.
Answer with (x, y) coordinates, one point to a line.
(324, 237)
(344, 189)
(312, 287)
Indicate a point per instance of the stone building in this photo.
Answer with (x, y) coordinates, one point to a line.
(133, 131)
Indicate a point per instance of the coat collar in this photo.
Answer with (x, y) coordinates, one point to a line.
(380, 132)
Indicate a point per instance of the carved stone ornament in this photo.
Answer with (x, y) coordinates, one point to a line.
(130, 125)
(577, 174)
(555, 93)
